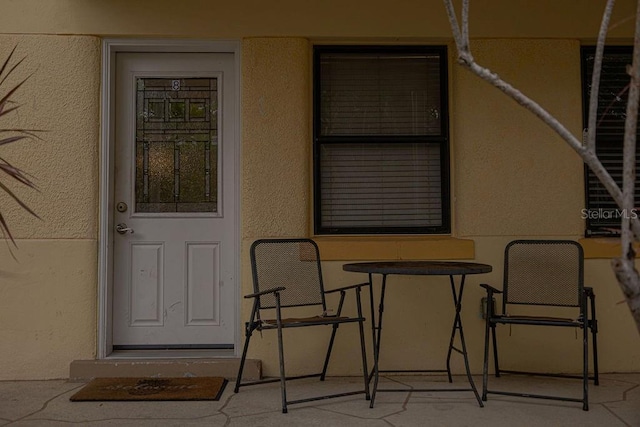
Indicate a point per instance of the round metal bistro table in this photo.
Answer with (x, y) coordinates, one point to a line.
(455, 270)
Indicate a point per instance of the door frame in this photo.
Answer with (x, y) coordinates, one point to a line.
(110, 47)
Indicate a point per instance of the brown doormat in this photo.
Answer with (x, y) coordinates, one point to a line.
(149, 389)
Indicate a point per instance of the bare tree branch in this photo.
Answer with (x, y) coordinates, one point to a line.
(624, 267)
(589, 157)
(465, 23)
(455, 28)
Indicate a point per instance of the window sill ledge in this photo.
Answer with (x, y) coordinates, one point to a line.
(391, 248)
(604, 247)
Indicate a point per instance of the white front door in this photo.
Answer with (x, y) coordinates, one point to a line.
(174, 202)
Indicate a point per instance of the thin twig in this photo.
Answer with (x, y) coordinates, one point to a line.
(595, 79)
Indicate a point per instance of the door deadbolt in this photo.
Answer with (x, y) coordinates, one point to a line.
(121, 207)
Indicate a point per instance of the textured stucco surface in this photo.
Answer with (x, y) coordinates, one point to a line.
(512, 179)
(513, 175)
(291, 18)
(62, 99)
(48, 306)
(276, 139)
(276, 152)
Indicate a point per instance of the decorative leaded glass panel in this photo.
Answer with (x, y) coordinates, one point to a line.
(176, 145)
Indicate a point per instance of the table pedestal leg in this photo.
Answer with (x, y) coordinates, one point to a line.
(376, 327)
(457, 327)
(377, 331)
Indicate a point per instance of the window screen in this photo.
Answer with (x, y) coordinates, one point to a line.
(380, 140)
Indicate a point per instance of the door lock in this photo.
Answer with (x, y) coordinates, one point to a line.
(121, 207)
(123, 229)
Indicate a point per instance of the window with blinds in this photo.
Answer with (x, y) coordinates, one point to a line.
(603, 217)
(381, 140)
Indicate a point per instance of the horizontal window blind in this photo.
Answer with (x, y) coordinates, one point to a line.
(381, 185)
(380, 94)
(603, 214)
(380, 140)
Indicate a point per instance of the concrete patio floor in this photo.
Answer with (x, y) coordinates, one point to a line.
(615, 402)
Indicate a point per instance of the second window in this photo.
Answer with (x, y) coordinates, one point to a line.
(381, 152)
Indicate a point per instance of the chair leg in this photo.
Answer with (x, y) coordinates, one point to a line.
(249, 327)
(496, 364)
(585, 366)
(485, 365)
(594, 334)
(242, 360)
(283, 384)
(593, 325)
(333, 336)
(329, 349)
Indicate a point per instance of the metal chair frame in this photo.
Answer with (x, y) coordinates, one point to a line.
(279, 298)
(584, 299)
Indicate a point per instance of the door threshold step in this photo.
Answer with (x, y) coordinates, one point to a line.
(85, 370)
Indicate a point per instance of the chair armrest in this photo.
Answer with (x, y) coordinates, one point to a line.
(490, 289)
(346, 288)
(267, 291)
(489, 301)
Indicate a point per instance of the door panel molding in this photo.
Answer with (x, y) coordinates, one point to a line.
(105, 239)
(203, 262)
(146, 293)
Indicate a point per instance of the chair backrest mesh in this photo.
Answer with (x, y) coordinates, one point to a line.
(292, 263)
(543, 272)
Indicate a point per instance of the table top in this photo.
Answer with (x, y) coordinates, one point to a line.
(418, 268)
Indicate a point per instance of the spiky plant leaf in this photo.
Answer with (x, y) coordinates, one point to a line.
(7, 106)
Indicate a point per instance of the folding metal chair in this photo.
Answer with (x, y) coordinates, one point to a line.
(287, 274)
(543, 273)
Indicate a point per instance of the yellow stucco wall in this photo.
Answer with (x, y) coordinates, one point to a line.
(48, 304)
(511, 176)
(338, 19)
(276, 101)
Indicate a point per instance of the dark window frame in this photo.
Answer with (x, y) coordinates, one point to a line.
(603, 217)
(442, 140)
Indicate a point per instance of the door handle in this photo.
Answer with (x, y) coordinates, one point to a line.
(123, 229)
